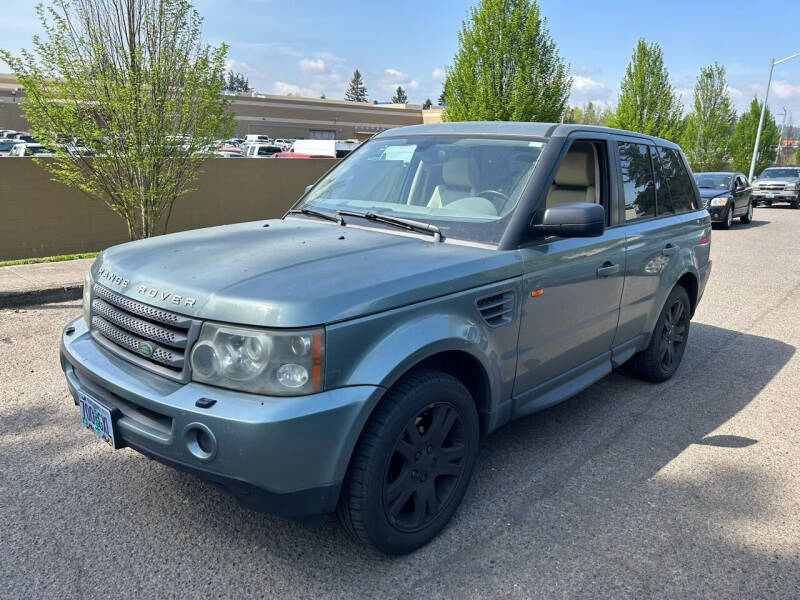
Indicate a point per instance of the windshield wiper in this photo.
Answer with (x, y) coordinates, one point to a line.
(407, 224)
(310, 212)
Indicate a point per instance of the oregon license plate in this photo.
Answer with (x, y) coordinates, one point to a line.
(770, 195)
(97, 418)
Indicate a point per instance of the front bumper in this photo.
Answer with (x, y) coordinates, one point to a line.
(286, 456)
(775, 196)
(718, 213)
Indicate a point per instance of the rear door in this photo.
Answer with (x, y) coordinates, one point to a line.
(662, 226)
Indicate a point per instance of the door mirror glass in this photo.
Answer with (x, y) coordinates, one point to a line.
(576, 219)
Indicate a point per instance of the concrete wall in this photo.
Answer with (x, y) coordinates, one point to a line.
(39, 217)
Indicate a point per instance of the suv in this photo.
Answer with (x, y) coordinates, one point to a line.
(439, 282)
(726, 196)
(778, 184)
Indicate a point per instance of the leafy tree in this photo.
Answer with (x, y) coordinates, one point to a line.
(356, 91)
(427, 104)
(648, 102)
(586, 114)
(400, 96)
(237, 82)
(744, 137)
(574, 114)
(132, 81)
(507, 67)
(708, 128)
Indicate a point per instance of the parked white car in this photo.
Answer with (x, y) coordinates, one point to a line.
(6, 144)
(262, 150)
(252, 138)
(25, 149)
(332, 148)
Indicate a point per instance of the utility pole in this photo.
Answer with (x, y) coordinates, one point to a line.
(773, 63)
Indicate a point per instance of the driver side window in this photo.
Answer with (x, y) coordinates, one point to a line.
(581, 176)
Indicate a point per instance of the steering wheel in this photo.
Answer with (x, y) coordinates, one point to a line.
(499, 199)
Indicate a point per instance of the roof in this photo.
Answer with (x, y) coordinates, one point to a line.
(521, 128)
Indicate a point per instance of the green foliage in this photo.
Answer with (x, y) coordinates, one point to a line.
(744, 138)
(586, 114)
(708, 128)
(400, 96)
(442, 100)
(427, 104)
(236, 82)
(131, 82)
(648, 102)
(507, 67)
(356, 91)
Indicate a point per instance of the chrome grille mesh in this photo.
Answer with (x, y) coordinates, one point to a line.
(154, 338)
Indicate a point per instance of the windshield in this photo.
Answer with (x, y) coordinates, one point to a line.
(6, 146)
(30, 150)
(467, 186)
(777, 173)
(713, 180)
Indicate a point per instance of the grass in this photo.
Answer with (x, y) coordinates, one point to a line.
(43, 259)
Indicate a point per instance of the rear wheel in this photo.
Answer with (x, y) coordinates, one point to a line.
(795, 204)
(748, 216)
(412, 465)
(662, 357)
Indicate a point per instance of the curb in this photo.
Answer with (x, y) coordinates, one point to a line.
(43, 296)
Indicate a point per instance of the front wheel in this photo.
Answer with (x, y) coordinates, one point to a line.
(728, 221)
(412, 465)
(659, 361)
(748, 217)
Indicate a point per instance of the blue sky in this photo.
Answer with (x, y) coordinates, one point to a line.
(310, 46)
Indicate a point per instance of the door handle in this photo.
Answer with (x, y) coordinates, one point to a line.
(670, 250)
(607, 269)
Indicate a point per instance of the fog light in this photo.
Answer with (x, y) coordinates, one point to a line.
(292, 376)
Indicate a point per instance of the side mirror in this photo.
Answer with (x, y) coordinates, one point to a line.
(576, 219)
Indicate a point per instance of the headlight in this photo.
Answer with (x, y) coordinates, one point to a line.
(791, 186)
(274, 363)
(719, 201)
(88, 282)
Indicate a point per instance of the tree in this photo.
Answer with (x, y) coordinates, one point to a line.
(507, 67)
(442, 99)
(744, 138)
(648, 102)
(356, 91)
(237, 82)
(132, 81)
(399, 96)
(427, 104)
(323, 96)
(586, 114)
(708, 129)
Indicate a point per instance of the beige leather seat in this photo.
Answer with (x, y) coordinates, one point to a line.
(574, 181)
(460, 176)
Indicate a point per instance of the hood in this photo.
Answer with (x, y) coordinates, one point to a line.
(295, 272)
(708, 193)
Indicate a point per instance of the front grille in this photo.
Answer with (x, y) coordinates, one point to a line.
(771, 187)
(148, 336)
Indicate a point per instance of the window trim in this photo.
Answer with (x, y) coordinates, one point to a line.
(621, 201)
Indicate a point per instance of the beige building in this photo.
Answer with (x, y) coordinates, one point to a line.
(279, 116)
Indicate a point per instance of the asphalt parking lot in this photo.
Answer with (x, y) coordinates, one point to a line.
(682, 490)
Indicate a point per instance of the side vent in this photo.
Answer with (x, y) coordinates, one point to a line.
(497, 309)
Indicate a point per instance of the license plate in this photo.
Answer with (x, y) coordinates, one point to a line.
(97, 418)
(770, 195)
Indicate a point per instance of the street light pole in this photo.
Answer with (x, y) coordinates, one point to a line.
(772, 66)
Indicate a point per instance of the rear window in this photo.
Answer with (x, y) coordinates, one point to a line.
(681, 197)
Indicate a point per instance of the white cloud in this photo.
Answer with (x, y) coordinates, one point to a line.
(784, 90)
(438, 74)
(315, 66)
(392, 78)
(283, 88)
(584, 85)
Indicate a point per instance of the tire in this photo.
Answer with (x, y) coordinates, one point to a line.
(768, 204)
(795, 204)
(728, 221)
(748, 216)
(668, 340)
(412, 465)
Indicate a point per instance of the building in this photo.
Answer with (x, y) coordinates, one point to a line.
(279, 116)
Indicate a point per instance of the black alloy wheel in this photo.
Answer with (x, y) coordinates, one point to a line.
(412, 465)
(424, 468)
(673, 335)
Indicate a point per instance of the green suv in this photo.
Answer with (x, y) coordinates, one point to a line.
(439, 282)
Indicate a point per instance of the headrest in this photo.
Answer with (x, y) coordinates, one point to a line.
(459, 172)
(577, 170)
